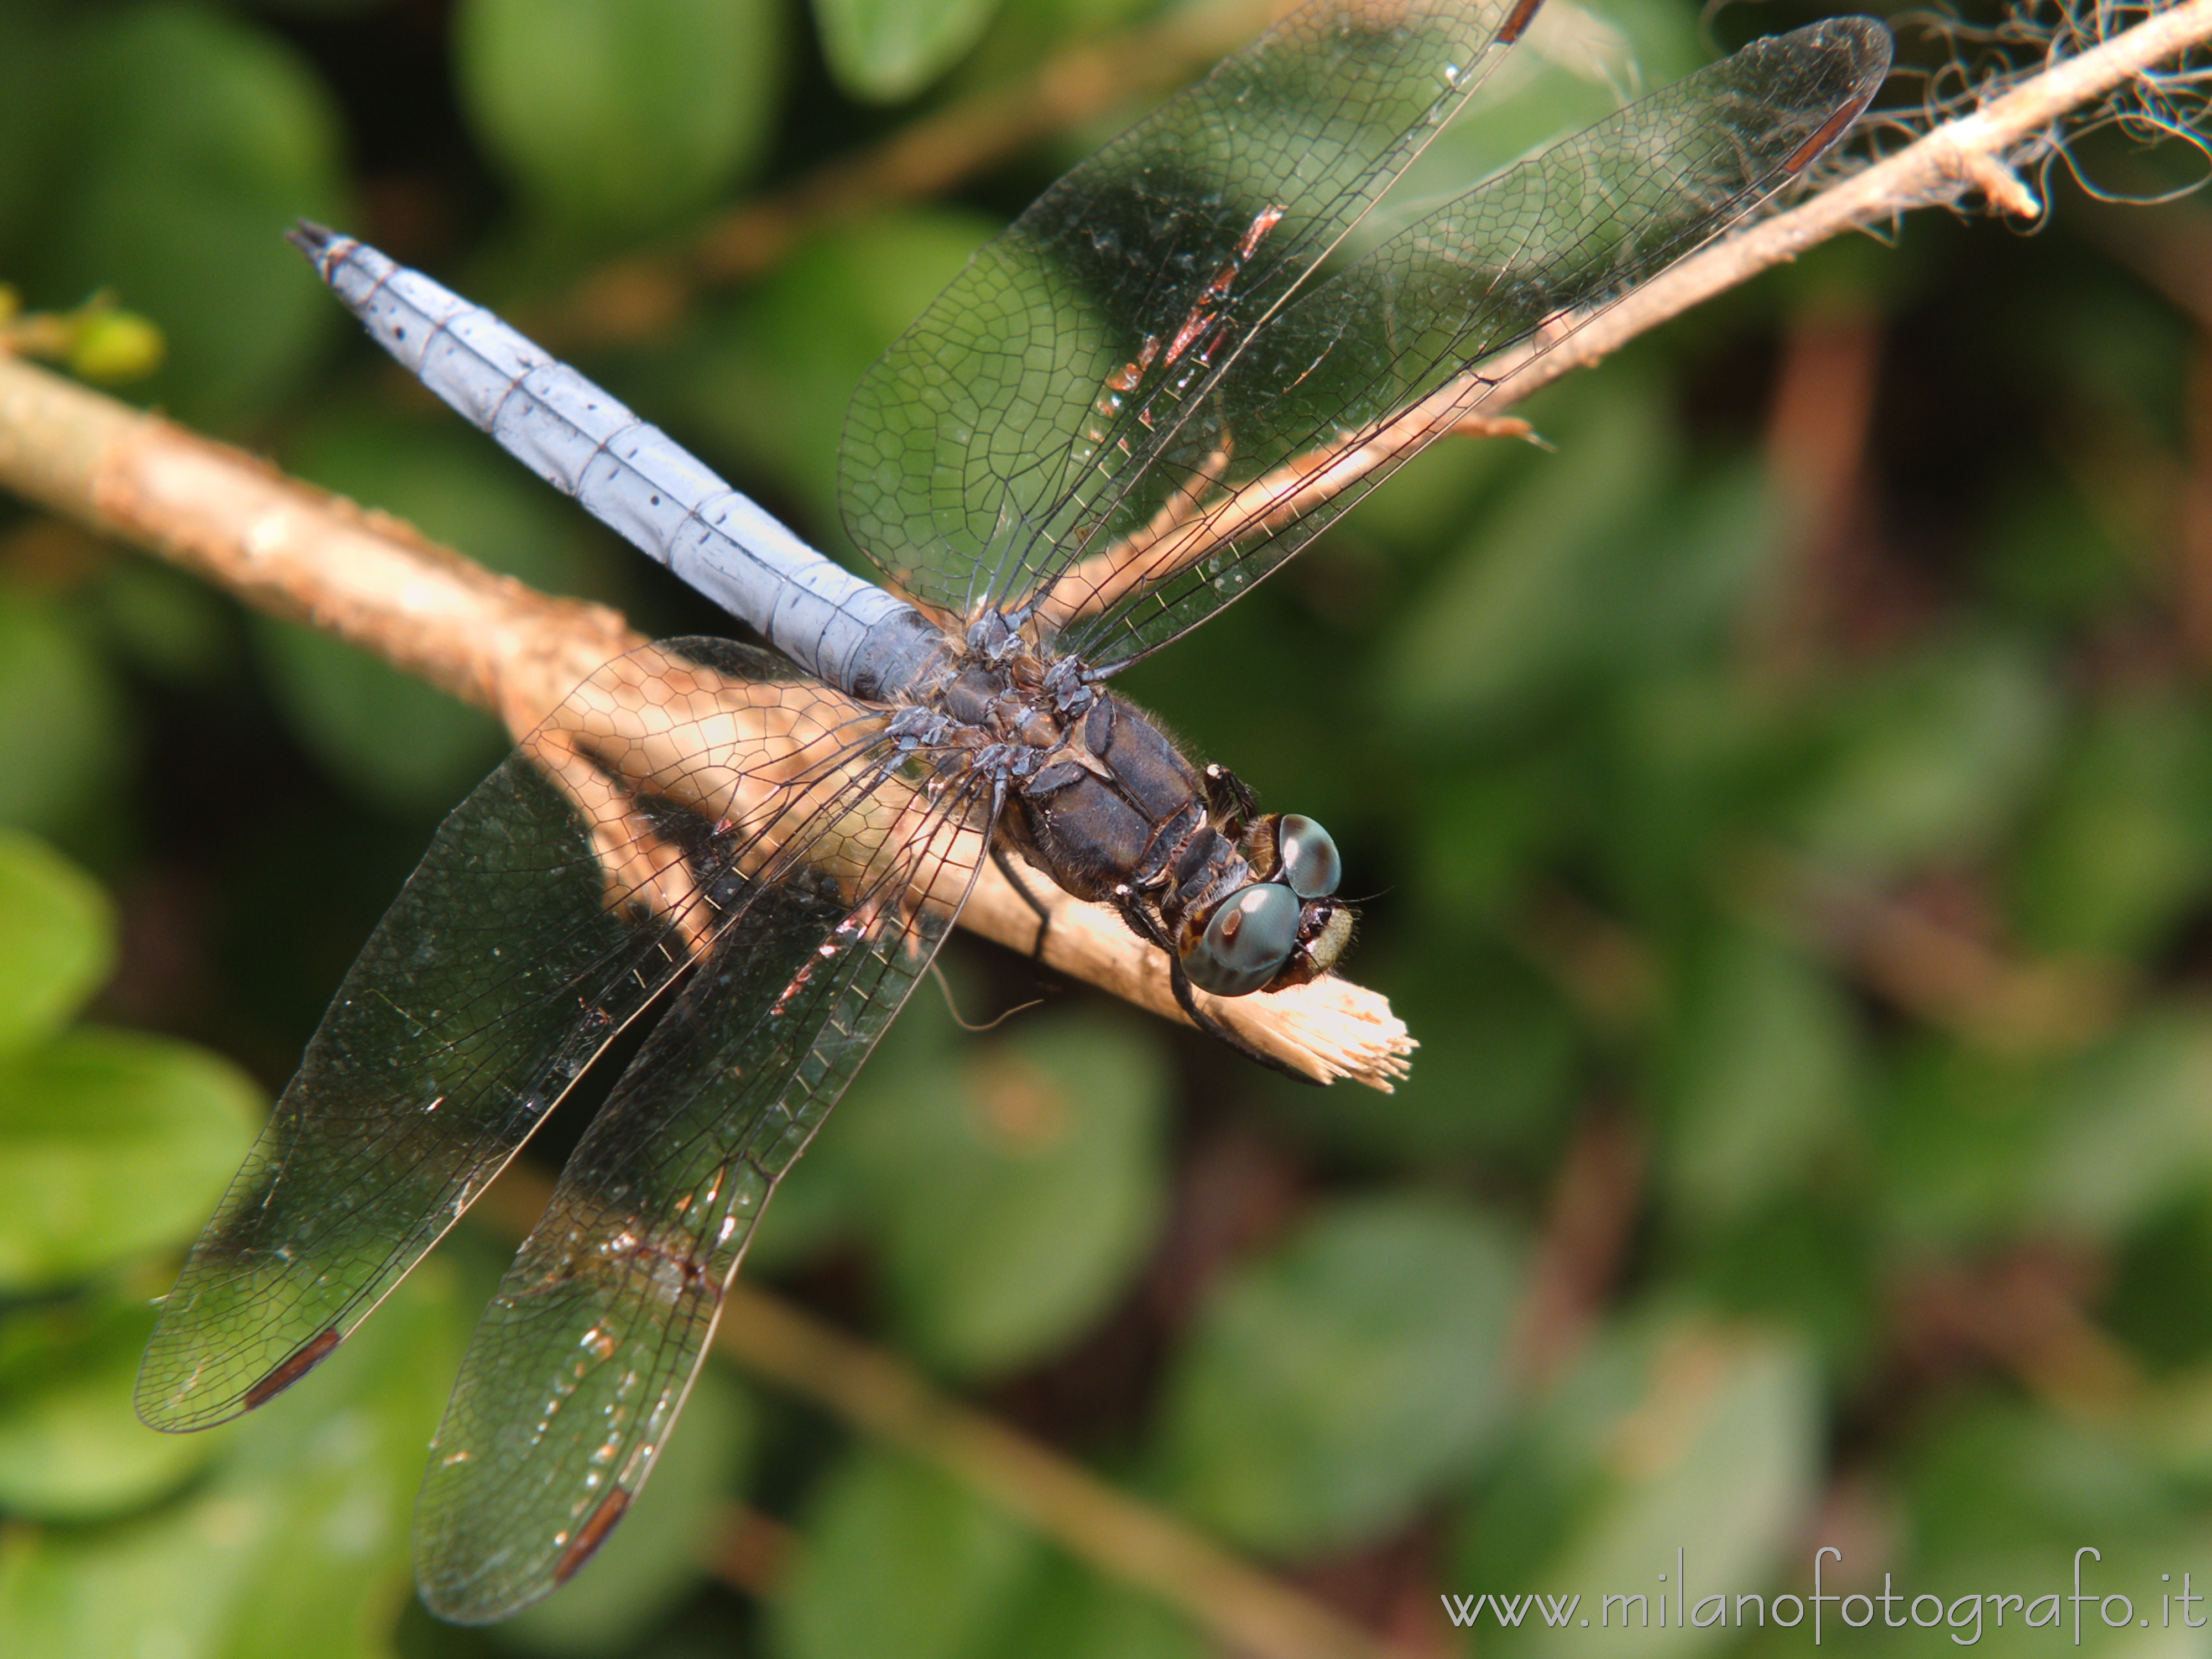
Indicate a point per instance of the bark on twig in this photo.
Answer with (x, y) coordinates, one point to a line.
(1972, 152)
(301, 553)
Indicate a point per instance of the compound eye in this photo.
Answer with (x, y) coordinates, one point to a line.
(1311, 867)
(1247, 941)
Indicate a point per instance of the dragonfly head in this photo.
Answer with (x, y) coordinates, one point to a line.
(1283, 929)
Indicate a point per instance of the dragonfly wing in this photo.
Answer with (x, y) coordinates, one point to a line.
(555, 902)
(1519, 261)
(583, 1360)
(1030, 393)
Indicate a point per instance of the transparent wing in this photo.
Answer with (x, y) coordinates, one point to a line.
(1277, 445)
(1018, 406)
(583, 1360)
(556, 902)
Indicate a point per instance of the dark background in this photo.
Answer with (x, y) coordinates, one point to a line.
(1783, 809)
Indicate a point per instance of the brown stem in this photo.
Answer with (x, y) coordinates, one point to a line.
(750, 1552)
(638, 297)
(2027, 1311)
(1941, 973)
(1248, 1611)
(1588, 1226)
(879, 1393)
(498, 644)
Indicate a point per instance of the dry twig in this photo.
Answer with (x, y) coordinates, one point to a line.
(1975, 151)
(1971, 152)
(299, 553)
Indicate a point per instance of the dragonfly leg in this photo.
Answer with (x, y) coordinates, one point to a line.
(1215, 1028)
(1229, 798)
(1028, 897)
(1144, 925)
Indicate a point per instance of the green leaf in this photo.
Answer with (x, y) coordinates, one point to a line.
(887, 50)
(1018, 1185)
(1479, 831)
(1498, 1059)
(1958, 1138)
(1690, 578)
(2130, 1128)
(320, 7)
(60, 726)
(57, 940)
(823, 1201)
(1999, 1489)
(2051, 557)
(1762, 1080)
(2126, 844)
(898, 1558)
(1714, 1455)
(185, 141)
(620, 114)
(112, 1143)
(1803, 1261)
(295, 1545)
(72, 1447)
(1524, 605)
(2159, 1303)
(450, 485)
(1935, 758)
(1329, 1388)
(28, 97)
(1071, 1613)
(653, 1559)
(174, 628)
(405, 745)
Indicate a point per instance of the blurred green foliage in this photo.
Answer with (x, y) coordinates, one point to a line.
(1785, 800)
(1329, 1388)
(891, 51)
(618, 116)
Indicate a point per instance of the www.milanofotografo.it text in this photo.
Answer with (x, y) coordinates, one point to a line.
(1962, 1616)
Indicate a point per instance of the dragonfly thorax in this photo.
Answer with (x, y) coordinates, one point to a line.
(1003, 704)
(1116, 814)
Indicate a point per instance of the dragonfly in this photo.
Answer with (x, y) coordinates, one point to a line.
(1155, 386)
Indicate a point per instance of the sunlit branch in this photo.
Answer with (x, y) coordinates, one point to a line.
(1170, 542)
(1975, 152)
(302, 554)
(1972, 152)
